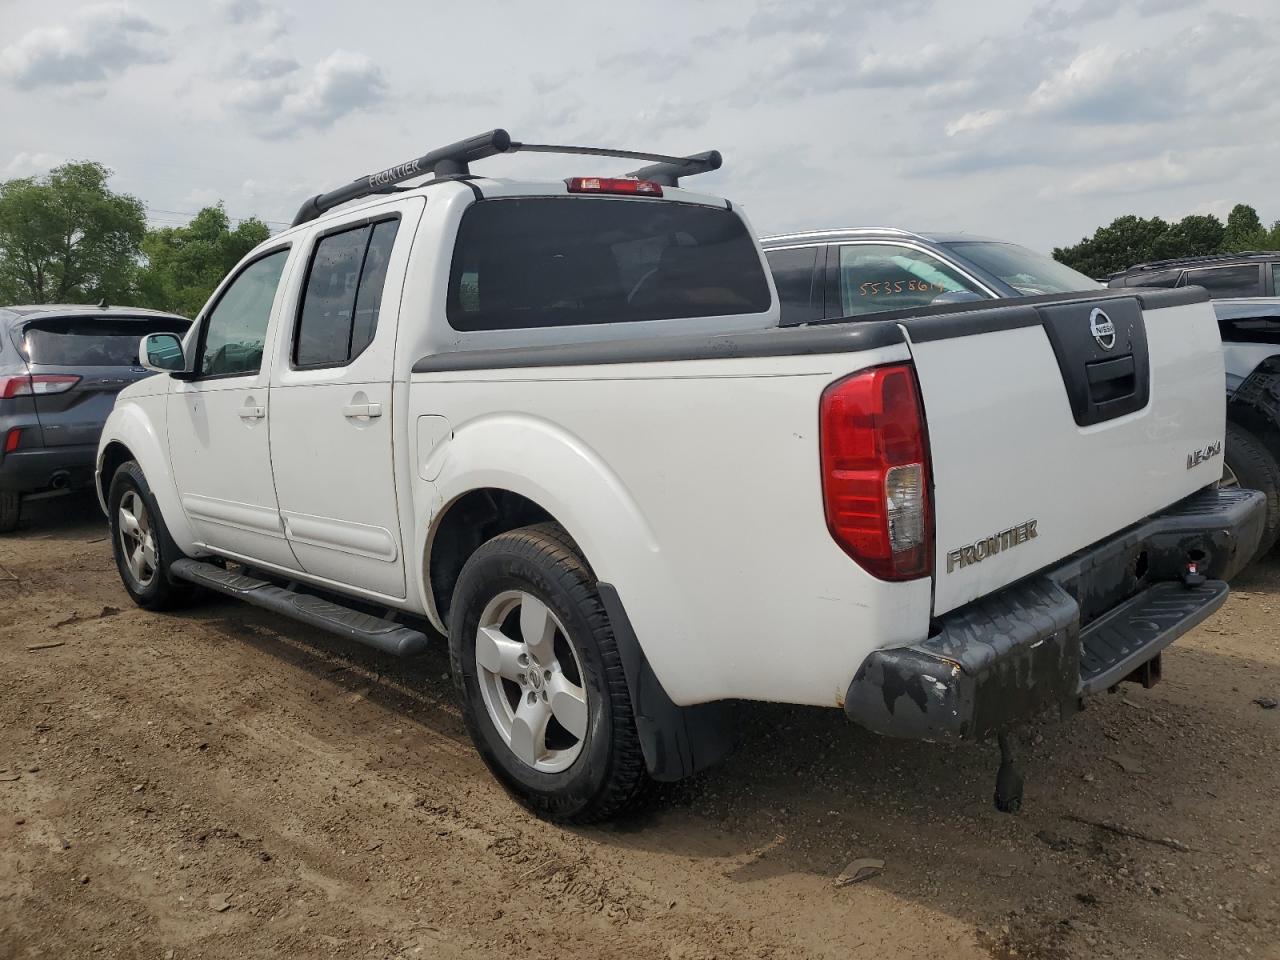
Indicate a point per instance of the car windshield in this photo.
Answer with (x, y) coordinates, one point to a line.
(1025, 270)
(91, 341)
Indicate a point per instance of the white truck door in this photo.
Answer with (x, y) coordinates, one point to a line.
(218, 422)
(331, 393)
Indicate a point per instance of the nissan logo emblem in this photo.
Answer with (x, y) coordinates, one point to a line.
(1103, 330)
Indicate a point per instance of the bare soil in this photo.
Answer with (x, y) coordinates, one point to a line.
(225, 783)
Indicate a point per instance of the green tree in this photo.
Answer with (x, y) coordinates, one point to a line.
(1126, 241)
(184, 264)
(67, 237)
(1193, 236)
(1244, 230)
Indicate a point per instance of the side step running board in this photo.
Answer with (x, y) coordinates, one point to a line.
(317, 612)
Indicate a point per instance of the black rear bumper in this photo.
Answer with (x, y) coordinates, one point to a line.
(47, 468)
(1065, 633)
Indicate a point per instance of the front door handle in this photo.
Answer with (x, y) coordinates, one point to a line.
(252, 413)
(353, 411)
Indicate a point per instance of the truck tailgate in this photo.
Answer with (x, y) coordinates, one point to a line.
(1055, 424)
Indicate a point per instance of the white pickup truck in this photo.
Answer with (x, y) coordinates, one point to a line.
(557, 423)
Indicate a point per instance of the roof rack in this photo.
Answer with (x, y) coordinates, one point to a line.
(455, 159)
(1203, 258)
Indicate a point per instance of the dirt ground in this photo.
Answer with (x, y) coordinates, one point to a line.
(225, 783)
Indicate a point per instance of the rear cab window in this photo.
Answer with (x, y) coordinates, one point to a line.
(531, 262)
(89, 341)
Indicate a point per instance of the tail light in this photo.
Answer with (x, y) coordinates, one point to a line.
(36, 385)
(12, 439)
(875, 471)
(621, 185)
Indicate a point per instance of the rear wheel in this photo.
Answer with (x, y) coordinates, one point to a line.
(1248, 463)
(544, 695)
(10, 511)
(141, 542)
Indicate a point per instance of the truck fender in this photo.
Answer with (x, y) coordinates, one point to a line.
(542, 462)
(556, 470)
(131, 426)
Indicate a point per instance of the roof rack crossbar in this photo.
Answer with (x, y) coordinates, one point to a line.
(455, 159)
(450, 161)
(1201, 258)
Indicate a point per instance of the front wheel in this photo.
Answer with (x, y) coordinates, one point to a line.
(543, 691)
(141, 542)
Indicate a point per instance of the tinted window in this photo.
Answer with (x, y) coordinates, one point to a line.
(1030, 273)
(372, 279)
(91, 341)
(1275, 279)
(876, 276)
(1240, 281)
(343, 295)
(561, 261)
(236, 329)
(794, 273)
(1164, 278)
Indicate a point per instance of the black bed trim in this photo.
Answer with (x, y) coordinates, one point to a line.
(791, 341)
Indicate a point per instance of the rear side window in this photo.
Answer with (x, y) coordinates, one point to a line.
(566, 261)
(1275, 279)
(343, 295)
(91, 341)
(794, 274)
(1244, 280)
(1163, 278)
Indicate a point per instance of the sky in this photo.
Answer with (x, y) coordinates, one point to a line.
(1028, 120)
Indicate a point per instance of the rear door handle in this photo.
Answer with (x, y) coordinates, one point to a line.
(370, 410)
(252, 413)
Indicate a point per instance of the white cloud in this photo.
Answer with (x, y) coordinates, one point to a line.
(975, 120)
(31, 164)
(340, 84)
(103, 42)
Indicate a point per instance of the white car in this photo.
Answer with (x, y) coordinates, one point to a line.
(557, 423)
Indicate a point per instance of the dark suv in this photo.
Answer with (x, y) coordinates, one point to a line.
(1245, 288)
(60, 370)
(1225, 276)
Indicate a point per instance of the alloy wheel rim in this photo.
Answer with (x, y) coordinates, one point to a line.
(137, 539)
(531, 681)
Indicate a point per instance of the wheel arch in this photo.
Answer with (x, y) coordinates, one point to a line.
(131, 434)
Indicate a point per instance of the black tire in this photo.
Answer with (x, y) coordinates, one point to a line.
(1254, 466)
(609, 775)
(159, 592)
(10, 511)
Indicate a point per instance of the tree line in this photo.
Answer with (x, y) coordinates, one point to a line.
(1131, 240)
(66, 237)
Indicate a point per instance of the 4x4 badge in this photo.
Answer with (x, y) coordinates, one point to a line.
(1103, 330)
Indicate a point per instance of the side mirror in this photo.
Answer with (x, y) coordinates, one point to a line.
(162, 352)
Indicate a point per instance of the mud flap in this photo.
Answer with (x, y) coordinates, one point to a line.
(677, 741)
